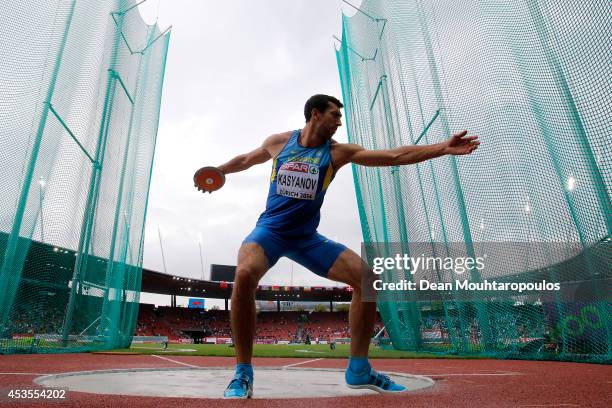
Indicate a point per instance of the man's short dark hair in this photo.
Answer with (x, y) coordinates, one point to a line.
(319, 102)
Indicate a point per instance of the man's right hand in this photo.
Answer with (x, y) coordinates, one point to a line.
(209, 179)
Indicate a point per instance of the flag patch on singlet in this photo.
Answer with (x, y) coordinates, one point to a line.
(297, 180)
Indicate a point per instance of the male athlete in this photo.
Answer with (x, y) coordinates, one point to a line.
(305, 163)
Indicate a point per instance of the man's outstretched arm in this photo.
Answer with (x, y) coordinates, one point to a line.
(262, 154)
(458, 144)
(244, 161)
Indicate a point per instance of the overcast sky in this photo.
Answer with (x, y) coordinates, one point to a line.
(237, 71)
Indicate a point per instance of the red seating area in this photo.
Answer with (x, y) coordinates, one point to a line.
(173, 321)
(270, 326)
(218, 323)
(330, 325)
(152, 323)
(327, 325)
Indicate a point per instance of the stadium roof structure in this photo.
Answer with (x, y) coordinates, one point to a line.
(164, 284)
(60, 261)
(59, 269)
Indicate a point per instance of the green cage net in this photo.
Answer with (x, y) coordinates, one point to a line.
(80, 91)
(532, 79)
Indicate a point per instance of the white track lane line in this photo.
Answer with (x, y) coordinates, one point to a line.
(469, 374)
(302, 362)
(25, 374)
(174, 361)
(551, 405)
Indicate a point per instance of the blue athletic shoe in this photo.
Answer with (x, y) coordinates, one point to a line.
(241, 386)
(373, 380)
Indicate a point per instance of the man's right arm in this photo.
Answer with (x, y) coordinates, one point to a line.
(244, 161)
(269, 149)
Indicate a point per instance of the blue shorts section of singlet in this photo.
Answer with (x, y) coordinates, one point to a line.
(314, 251)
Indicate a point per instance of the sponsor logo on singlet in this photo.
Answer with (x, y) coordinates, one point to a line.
(297, 180)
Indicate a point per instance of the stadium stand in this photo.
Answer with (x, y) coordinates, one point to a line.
(180, 324)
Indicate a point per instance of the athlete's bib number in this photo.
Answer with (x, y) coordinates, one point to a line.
(298, 180)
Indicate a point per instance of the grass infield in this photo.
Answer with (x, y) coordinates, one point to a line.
(277, 350)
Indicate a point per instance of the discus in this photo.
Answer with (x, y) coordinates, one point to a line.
(208, 179)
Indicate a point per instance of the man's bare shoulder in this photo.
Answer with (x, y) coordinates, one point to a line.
(274, 143)
(344, 148)
(277, 138)
(341, 152)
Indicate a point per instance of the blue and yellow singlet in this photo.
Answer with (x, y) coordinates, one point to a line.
(299, 180)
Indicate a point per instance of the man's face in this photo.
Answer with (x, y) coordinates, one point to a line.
(330, 120)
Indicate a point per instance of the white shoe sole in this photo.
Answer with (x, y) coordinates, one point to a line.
(374, 388)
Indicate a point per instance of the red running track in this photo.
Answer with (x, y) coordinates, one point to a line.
(459, 383)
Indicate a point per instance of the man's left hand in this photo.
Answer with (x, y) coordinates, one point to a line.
(459, 144)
